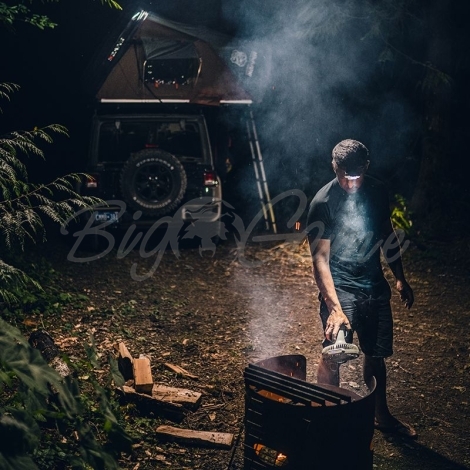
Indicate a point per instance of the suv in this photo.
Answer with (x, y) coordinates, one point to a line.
(148, 165)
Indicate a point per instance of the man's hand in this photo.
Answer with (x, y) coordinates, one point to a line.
(406, 293)
(334, 322)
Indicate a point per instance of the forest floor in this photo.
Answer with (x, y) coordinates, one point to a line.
(213, 313)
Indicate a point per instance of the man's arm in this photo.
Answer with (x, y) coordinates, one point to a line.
(392, 253)
(320, 250)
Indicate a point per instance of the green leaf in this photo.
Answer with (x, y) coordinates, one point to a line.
(92, 356)
(115, 372)
(16, 437)
(17, 462)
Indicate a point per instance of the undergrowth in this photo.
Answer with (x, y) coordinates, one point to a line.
(46, 421)
(51, 422)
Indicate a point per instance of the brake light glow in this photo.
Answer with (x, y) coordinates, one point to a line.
(91, 181)
(210, 178)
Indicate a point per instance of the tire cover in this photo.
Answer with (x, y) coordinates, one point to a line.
(153, 181)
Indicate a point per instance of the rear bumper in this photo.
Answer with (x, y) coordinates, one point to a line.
(116, 214)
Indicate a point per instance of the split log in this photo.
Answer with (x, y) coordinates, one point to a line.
(173, 395)
(182, 396)
(180, 371)
(125, 362)
(148, 405)
(143, 381)
(221, 440)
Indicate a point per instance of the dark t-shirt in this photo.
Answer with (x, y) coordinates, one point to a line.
(352, 223)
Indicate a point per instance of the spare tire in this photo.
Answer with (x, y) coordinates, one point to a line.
(153, 181)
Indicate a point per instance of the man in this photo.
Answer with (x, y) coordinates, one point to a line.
(348, 225)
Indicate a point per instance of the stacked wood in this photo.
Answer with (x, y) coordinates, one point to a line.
(162, 400)
(152, 398)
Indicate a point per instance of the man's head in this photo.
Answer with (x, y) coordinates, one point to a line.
(350, 163)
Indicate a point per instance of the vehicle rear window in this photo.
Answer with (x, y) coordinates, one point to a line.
(119, 138)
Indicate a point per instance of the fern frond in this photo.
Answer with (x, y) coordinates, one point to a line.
(22, 204)
(12, 278)
(6, 89)
(112, 4)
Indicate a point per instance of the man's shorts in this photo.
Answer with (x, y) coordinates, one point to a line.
(370, 317)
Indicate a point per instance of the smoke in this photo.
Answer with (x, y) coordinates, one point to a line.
(273, 316)
(325, 77)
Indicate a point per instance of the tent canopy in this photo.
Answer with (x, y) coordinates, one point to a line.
(158, 60)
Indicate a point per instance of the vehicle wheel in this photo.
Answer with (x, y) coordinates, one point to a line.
(153, 181)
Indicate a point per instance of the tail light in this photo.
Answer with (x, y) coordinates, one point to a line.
(210, 178)
(91, 182)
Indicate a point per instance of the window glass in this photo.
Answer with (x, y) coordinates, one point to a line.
(171, 71)
(120, 138)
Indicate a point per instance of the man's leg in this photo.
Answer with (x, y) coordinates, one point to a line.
(375, 367)
(328, 372)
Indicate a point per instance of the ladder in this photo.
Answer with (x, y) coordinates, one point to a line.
(260, 174)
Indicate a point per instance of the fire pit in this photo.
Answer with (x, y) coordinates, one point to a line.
(296, 425)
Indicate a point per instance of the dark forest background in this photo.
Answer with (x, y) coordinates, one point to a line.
(393, 74)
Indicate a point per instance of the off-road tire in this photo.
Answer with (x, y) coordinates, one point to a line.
(153, 181)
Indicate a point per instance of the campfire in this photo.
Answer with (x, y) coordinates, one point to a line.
(293, 424)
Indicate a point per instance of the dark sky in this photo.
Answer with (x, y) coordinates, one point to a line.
(322, 94)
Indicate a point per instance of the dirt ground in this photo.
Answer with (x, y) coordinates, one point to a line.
(213, 313)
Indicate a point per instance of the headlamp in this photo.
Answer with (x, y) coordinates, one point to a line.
(351, 177)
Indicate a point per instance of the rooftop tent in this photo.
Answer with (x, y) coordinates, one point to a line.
(155, 59)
